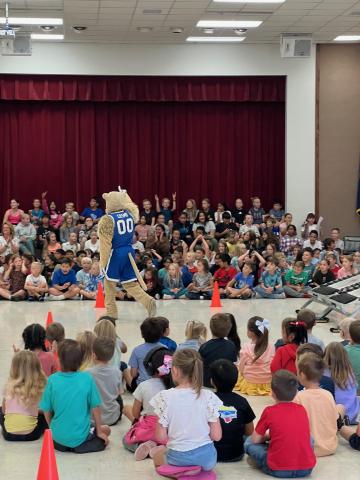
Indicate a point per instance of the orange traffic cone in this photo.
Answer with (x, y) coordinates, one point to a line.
(49, 321)
(100, 301)
(47, 466)
(215, 300)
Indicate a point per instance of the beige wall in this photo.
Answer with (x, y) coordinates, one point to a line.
(338, 71)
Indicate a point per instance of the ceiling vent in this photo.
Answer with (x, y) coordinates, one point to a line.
(152, 11)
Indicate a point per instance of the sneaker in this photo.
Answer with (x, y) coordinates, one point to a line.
(143, 450)
(31, 299)
(167, 297)
(41, 298)
(56, 297)
(251, 462)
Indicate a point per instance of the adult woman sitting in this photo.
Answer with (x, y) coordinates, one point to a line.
(9, 244)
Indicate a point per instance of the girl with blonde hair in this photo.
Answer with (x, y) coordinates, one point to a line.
(19, 417)
(86, 341)
(195, 335)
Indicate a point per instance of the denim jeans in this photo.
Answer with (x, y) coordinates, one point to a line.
(278, 293)
(196, 295)
(258, 451)
(27, 247)
(294, 293)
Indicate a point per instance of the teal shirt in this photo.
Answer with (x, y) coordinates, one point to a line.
(70, 397)
(354, 356)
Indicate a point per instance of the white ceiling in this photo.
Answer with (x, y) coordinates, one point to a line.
(118, 21)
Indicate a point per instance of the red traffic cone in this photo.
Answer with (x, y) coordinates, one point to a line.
(215, 300)
(47, 466)
(49, 321)
(100, 301)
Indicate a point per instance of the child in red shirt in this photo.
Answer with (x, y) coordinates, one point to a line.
(288, 454)
(225, 273)
(294, 333)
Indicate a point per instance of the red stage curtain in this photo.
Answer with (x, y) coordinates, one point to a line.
(73, 149)
(143, 89)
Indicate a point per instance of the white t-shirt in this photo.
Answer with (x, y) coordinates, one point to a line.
(35, 281)
(94, 247)
(209, 226)
(146, 391)
(4, 243)
(317, 244)
(75, 247)
(186, 416)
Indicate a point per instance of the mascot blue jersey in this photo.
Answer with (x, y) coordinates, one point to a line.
(123, 229)
(119, 268)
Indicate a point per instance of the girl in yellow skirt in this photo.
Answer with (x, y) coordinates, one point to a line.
(255, 359)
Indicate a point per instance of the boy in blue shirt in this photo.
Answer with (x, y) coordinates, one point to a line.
(93, 211)
(270, 283)
(64, 283)
(69, 400)
(242, 284)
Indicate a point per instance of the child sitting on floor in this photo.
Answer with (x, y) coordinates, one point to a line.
(202, 283)
(353, 349)
(225, 273)
(281, 443)
(91, 288)
(236, 416)
(14, 280)
(270, 283)
(344, 327)
(319, 404)
(309, 318)
(108, 379)
(195, 335)
(296, 280)
(294, 333)
(255, 359)
(164, 339)
(20, 418)
(151, 331)
(64, 283)
(86, 341)
(173, 286)
(340, 370)
(192, 445)
(35, 284)
(219, 347)
(68, 402)
(241, 286)
(141, 437)
(34, 339)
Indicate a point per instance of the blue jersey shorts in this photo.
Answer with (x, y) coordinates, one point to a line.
(119, 268)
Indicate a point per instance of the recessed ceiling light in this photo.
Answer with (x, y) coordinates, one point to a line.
(177, 29)
(79, 28)
(240, 31)
(47, 28)
(216, 39)
(347, 38)
(249, 1)
(46, 36)
(229, 23)
(32, 21)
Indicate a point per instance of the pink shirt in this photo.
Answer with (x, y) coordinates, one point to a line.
(13, 405)
(258, 372)
(142, 230)
(342, 273)
(48, 362)
(14, 218)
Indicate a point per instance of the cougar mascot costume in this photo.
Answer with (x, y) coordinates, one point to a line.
(116, 230)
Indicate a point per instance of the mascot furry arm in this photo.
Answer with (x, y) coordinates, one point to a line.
(105, 232)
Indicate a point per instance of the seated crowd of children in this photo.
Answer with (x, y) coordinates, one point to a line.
(48, 254)
(76, 386)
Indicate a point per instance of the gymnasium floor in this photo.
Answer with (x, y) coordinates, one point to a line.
(20, 461)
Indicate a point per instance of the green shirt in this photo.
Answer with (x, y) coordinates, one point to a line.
(354, 356)
(295, 279)
(70, 397)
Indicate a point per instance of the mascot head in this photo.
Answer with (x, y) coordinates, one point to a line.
(120, 200)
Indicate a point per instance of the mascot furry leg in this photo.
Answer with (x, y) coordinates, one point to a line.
(115, 231)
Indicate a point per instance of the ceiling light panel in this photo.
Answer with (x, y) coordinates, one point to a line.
(216, 39)
(32, 21)
(229, 23)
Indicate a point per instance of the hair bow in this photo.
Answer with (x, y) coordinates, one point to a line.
(261, 325)
(166, 366)
(298, 324)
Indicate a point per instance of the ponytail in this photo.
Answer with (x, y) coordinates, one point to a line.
(259, 327)
(189, 362)
(195, 330)
(292, 326)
